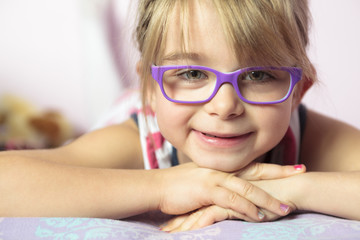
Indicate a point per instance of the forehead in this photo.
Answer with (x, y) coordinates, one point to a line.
(197, 36)
(202, 29)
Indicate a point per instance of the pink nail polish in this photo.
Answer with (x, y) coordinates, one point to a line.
(298, 167)
(284, 208)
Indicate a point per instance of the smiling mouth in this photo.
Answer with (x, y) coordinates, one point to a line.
(223, 136)
(213, 136)
(216, 140)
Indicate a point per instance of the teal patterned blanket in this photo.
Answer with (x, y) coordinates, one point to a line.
(297, 226)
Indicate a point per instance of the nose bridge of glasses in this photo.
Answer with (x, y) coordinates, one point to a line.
(227, 77)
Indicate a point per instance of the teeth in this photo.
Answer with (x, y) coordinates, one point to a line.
(213, 136)
(210, 135)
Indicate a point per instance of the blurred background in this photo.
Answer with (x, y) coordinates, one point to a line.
(335, 52)
(77, 56)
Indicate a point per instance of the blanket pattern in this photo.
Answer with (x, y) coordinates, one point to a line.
(296, 226)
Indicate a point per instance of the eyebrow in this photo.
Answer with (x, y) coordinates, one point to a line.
(175, 56)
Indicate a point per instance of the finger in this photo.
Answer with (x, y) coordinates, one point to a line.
(215, 214)
(270, 216)
(251, 196)
(189, 221)
(205, 217)
(174, 223)
(266, 171)
(227, 199)
(208, 216)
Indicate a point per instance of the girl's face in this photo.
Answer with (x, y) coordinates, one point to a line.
(225, 133)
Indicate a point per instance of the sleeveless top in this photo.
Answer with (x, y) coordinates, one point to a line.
(159, 153)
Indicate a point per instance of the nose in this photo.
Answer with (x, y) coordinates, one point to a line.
(225, 104)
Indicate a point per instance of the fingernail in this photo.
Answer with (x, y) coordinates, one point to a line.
(284, 208)
(163, 230)
(261, 215)
(298, 167)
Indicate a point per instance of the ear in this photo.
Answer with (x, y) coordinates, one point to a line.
(302, 88)
(308, 82)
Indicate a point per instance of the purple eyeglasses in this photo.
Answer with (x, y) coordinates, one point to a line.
(254, 85)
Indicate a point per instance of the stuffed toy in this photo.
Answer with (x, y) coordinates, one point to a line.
(22, 126)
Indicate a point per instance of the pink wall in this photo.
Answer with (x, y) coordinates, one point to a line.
(57, 54)
(335, 52)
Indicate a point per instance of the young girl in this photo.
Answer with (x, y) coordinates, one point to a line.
(222, 83)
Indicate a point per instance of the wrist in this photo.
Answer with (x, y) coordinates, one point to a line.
(298, 187)
(288, 190)
(153, 188)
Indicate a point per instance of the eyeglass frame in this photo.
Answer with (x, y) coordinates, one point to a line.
(157, 72)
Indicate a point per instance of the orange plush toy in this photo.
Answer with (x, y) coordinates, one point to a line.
(22, 126)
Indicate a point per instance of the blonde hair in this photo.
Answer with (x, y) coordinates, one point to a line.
(261, 32)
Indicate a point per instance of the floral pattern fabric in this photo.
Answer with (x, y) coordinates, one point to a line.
(297, 226)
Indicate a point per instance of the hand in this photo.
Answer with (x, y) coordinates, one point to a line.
(214, 213)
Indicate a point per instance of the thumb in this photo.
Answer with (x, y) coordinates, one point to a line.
(267, 171)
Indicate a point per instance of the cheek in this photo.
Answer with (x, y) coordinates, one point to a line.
(172, 119)
(272, 123)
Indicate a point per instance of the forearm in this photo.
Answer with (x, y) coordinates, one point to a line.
(334, 193)
(31, 187)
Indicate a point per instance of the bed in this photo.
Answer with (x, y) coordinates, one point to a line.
(296, 226)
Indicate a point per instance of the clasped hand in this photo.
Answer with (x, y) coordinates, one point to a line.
(202, 196)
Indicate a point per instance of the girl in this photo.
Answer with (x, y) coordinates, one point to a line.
(222, 82)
